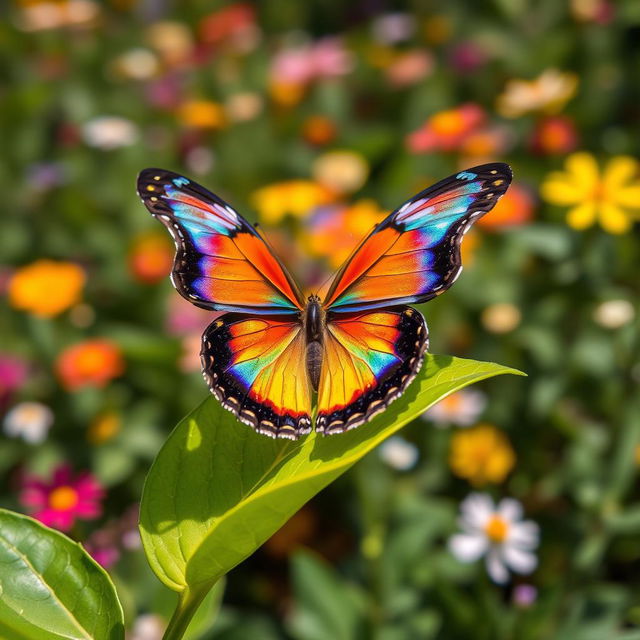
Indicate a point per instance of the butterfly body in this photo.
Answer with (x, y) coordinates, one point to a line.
(313, 322)
(272, 357)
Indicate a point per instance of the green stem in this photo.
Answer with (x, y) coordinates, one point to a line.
(188, 603)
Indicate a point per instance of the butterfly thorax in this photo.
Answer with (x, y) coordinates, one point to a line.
(313, 322)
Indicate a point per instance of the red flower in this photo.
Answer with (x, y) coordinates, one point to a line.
(89, 363)
(62, 500)
(555, 135)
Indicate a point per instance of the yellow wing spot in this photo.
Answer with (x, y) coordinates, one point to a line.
(493, 172)
(497, 183)
(153, 199)
(489, 195)
(156, 177)
(409, 312)
(150, 187)
(218, 324)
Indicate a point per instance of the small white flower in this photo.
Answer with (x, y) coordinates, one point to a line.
(614, 314)
(28, 420)
(461, 408)
(498, 533)
(148, 626)
(110, 132)
(398, 453)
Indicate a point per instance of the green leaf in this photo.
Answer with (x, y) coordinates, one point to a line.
(326, 608)
(51, 588)
(218, 490)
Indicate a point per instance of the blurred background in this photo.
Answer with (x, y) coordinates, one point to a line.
(508, 511)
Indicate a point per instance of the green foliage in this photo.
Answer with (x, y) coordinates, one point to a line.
(218, 490)
(51, 588)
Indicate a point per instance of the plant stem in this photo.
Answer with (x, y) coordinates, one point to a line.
(188, 604)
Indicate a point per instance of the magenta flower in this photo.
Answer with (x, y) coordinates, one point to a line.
(59, 502)
(13, 374)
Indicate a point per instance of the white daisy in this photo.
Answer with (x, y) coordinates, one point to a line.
(398, 453)
(461, 408)
(28, 420)
(498, 533)
(109, 132)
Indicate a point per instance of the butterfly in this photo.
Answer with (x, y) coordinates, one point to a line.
(355, 348)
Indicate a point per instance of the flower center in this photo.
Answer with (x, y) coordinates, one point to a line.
(599, 192)
(496, 529)
(63, 498)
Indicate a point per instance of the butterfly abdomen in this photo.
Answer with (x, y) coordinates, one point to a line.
(313, 326)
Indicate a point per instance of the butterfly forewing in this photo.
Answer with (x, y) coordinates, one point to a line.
(414, 254)
(221, 262)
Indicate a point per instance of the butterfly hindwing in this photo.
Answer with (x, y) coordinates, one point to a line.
(221, 262)
(255, 366)
(414, 254)
(369, 359)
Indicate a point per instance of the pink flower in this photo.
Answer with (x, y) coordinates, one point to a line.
(326, 58)
(184, 318)
(13, 374)
(65, 498)
(467, 57)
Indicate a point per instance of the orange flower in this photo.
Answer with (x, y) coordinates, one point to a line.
(89, 363)
(151, 257)
(201, 114)
(555, 135)
(319, 130)
(446, 130)
(513, 209)
(46, 287)
(104, 427)
(334, 231)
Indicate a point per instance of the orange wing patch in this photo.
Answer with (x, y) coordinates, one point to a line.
(256, 368)
(369, 360)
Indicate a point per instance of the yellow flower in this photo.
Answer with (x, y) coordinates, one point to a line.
(46, 287)
(481, 455)
(295, 197)
(549, 92)
(596, 196)
(201, 114)
(341, 170)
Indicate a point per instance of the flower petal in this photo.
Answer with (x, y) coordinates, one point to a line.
(560, 189)
(619, 171)
(510, 509)
(627, 196)
(524, 535)
(582, 216)
(468, 548)
(475, 510)
(496, 568)
(518, 560)
(583, 168)
(614, 219)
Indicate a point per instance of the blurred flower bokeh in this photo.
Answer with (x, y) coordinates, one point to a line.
(315, 120)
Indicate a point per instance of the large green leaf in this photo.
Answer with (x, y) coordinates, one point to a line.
(50, 588)
(217, 490)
